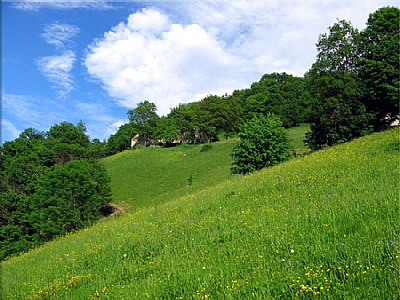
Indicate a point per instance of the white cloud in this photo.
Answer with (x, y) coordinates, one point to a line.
(58, 34)
(113, 127)
(57, 69)
(148, 58)
(31, 111)
(181, 53)
(9, 131)
(34, 5)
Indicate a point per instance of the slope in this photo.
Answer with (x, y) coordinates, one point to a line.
(324, 225)
(152, 176)
(148, 177)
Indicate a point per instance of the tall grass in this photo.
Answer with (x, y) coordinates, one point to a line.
(323, 226)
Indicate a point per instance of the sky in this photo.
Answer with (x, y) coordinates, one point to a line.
(95, 60)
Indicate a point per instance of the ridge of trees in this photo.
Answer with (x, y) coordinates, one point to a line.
(351, 90)
(198, 122)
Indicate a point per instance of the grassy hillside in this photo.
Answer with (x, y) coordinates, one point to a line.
(151, 176)
(148, 177)
(324, 226)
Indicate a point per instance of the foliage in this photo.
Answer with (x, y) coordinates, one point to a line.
(143, 118)
(98, 149)
(263, 143)
(338, 112)
(355, 79)
(204, 120)
(67, 198)
(219, 114)
(185, 116)
(67, 133)
(323, 226)
(379, 65)
(282, 94)
(167, 130)
(121, 140)
(47, 186)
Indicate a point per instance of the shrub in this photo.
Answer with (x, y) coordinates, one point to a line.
(205, 148)
(263, 143)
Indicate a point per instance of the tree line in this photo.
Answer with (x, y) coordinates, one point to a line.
(214, 116)
(351, 90)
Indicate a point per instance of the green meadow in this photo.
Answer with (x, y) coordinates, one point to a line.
(149, 176)
(323, 225)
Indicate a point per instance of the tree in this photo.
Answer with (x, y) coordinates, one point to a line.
(67, 133)
(263, 143)
(68, 197)
(219, 114)
(338, 113)
(185, 116)
(280, 93)
(16, 233)
(143, 118)
(42, 192)
(379, 65)
(167, 130)
(97, 149)
(121, 140)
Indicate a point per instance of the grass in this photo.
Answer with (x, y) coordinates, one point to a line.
(324, 226)
(297, 137)
(152, 176)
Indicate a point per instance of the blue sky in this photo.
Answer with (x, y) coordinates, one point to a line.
(95, 60)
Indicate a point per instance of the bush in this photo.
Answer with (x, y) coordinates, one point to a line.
(263, 143)
(205, 148)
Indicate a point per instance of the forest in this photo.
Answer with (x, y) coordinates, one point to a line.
(53, 182)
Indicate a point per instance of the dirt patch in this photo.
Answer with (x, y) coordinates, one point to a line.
(110, 209)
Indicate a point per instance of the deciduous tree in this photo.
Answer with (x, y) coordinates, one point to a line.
(338, 114)
(379, 65)
(263, 143)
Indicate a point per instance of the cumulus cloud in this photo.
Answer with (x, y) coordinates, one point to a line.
(58, 34)
(150, 58)
(172, 54)
(57, 69)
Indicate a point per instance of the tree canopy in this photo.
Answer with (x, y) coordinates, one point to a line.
(49, 185)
